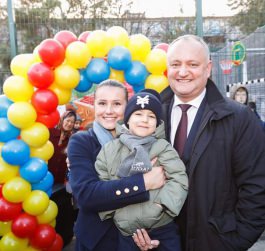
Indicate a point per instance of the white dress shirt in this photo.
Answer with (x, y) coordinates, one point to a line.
(191, 113)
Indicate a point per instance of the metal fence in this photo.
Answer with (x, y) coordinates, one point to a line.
(30, 28)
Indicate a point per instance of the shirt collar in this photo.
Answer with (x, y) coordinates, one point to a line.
(195, 102)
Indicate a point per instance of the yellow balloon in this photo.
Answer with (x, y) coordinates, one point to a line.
(49, 215)
(139, 46)
(44, 152)
(1, 145)
(36, 55)
(98, 43)
(35, 135)
(66, 76)
(36, 203)
(21, 63)
(77, 55)
(118, 35)
(18, 88)
(156, 82)
(16, 190)
(53, 223)
(29, 248)
(63, 95)
(156, 61)
(117, 75)
(7, 171)
(21, 114)
(10, 242)
(5, 227)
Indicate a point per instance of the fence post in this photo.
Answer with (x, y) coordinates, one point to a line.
(199, 21)
(12, 29)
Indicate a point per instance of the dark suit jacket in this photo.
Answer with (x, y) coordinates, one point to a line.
(93, 195)
(225, 207)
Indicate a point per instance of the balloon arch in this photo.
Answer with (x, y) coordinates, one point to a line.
(41, 81)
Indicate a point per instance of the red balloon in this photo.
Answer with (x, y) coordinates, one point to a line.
(51, 52)
(43, 237)
(50, 120)
(162, 46)
(9, 210)
(65, 37)
(41, 75)
(57, 245)
(83, 36)
(44, 101)
(24, 225)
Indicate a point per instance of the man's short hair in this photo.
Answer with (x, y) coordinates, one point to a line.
(190, 37)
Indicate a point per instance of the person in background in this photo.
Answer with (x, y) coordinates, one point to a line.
(224, 155)
(93, 195)
(77, 125)
(241, 95)
(140, 139)
(252, 106)
(59, 136)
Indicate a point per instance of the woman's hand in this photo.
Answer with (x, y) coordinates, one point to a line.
(143, 241)
(155, 178)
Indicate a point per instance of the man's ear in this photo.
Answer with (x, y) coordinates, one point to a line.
(209, 68)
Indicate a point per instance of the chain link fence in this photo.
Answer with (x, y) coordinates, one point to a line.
(31, 27)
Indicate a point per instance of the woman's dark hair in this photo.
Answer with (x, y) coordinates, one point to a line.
(66, 114)
(112, 83)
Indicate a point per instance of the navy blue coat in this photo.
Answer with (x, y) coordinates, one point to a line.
(225, 207)
(93, 195)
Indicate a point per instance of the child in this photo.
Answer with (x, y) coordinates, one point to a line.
(141, 139)
(77, 126)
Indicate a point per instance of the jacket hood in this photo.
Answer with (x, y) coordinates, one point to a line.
(236, 88)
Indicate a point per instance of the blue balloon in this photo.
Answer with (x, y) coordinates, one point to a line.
(7, 130)
(119, 58)
(49, 192)
(4, 104)
(34, 170)
(15, 152)
(84, 84)
(137, 88)
(45, 184)
(97, 70)
(136, 74)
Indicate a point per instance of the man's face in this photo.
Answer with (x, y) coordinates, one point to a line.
(188, 69)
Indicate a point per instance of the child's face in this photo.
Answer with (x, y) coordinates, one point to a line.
(241, 96)
(77, 124)
(142, 123)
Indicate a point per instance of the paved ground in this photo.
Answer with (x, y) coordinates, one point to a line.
(258, 246)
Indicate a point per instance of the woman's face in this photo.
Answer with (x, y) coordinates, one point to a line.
(68, 123)
(110, 104)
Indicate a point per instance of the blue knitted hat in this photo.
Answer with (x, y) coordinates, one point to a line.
(146, 99)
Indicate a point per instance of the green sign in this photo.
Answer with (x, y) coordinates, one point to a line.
(238, 53)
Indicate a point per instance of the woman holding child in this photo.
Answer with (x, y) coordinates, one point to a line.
(93, 195)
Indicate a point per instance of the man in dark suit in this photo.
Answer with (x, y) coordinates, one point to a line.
(224, 156)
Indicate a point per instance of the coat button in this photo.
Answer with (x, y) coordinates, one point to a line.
(118, 192)
(135, 188)
(126, 190)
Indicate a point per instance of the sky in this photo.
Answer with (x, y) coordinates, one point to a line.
(171, 8)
